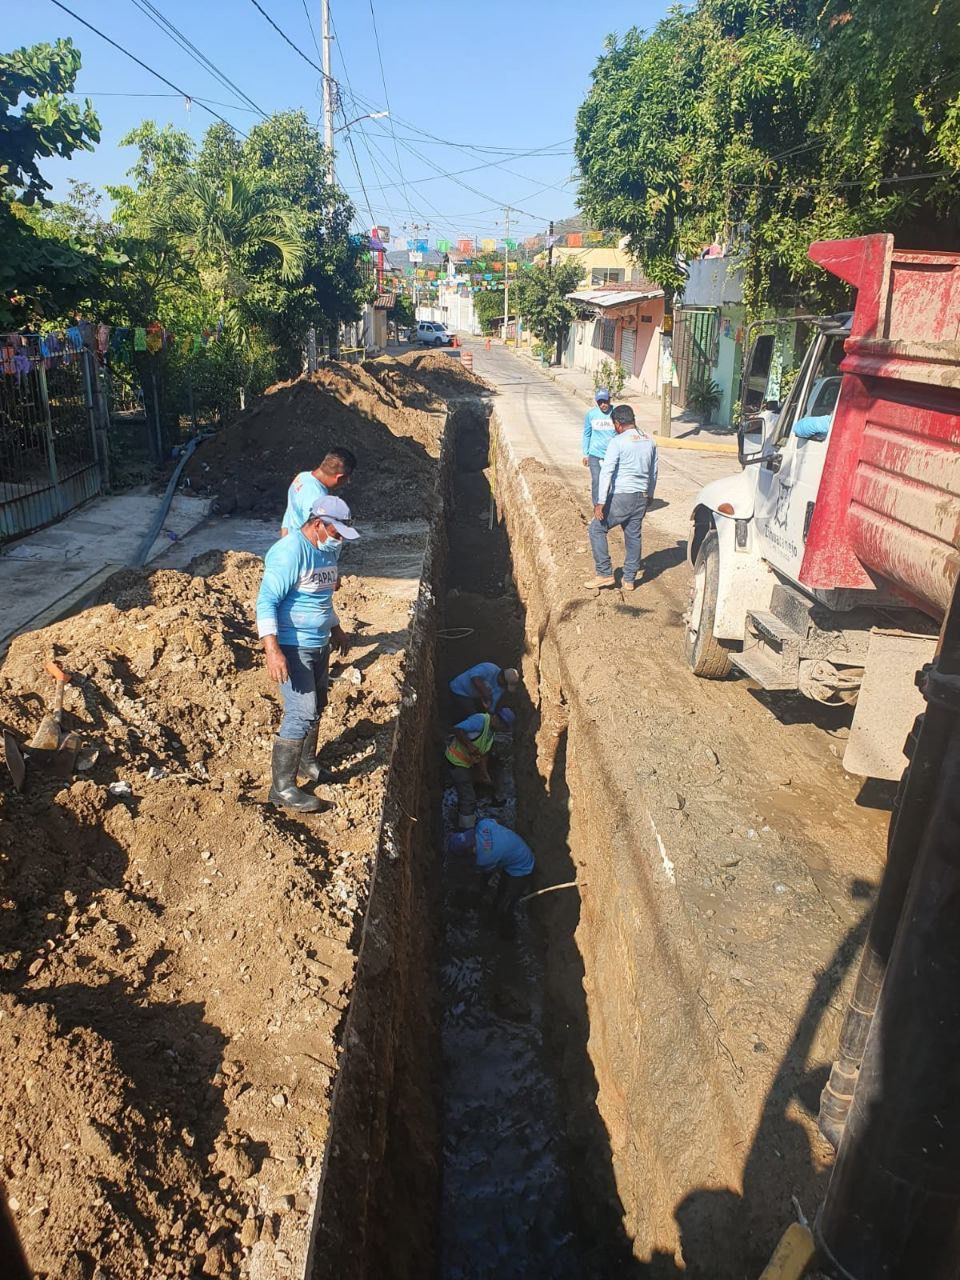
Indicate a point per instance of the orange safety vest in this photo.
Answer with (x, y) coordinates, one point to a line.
(456, 752)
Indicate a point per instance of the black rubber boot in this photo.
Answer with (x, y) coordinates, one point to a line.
(285, 792)
(309, 766)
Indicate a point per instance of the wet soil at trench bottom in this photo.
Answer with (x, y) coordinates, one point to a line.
(509, 1195)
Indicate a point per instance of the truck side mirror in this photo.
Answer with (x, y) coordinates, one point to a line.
(752, 426)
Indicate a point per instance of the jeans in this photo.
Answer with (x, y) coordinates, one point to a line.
(595, 465)
(462, 779)
(626, 510)
(304, 691)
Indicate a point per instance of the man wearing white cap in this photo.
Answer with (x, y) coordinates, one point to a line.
(298, 624)
(481, 688)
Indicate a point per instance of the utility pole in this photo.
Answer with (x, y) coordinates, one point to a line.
(416, 228)
(506, 268)
(550, 247)
(327, 88)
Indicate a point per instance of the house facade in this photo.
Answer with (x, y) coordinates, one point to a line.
(709, 332)
(620, 324)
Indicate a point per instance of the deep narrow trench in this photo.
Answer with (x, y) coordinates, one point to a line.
(510, 1203)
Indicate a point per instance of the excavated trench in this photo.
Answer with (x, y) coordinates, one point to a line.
(465, 1142)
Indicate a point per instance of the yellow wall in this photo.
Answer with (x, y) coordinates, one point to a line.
(592, 257)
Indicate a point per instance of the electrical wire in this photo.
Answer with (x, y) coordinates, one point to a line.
(190, 49)
(112, 93)
(313, 34)
(386, 99)
(292, 43)
(140, 63)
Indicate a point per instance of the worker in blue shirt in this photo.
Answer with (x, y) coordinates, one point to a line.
(298, 624)
(597, 433)
(497, 848)
(481, 688)
(467, 751)
(628, 478)
(308, 487)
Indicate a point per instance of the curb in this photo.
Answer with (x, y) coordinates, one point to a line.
(700, 446)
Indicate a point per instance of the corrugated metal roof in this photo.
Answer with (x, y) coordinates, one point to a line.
(613, 297)
(385, 301)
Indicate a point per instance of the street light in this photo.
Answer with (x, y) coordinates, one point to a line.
(371, 115)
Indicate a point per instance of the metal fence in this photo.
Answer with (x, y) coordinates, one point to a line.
(50, 448)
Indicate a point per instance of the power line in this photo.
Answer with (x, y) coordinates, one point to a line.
(140, 63)
(190, 49)
(313, 34)
(115, 93)
(386, 99)
(293, 45)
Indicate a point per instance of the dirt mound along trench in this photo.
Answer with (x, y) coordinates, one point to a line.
(442, 374)
(175, 959)
(248, 466)
(718, 916)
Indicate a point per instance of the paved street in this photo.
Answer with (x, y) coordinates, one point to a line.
(544, 421)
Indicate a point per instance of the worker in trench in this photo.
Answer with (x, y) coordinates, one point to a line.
(482, 687)
(308, 487)
(298, 626)
(468, 752)
(598, 431)
(497, 848)
(628, 478)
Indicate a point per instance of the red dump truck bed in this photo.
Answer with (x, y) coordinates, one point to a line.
(888, 507)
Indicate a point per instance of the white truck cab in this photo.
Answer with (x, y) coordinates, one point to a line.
(749, 609)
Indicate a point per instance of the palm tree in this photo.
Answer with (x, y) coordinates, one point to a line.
(221, 228)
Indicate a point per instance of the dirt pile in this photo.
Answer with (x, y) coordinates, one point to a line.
(248, 466)
(176, 958)
(396, 378)
(442, 374)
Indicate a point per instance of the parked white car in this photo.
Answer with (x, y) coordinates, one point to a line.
(433, 334)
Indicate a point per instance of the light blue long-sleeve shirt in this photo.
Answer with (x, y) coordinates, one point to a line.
(598, 431)
(629, 466)
(302, 494)
(295, 602)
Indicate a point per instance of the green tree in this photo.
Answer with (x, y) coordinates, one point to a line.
(402, 312)
(771, 123)
(222, 229)
(334, 286)
(41, 274)
(488, 305)
(544, 303)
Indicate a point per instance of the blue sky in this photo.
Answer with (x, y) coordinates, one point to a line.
(506, 75)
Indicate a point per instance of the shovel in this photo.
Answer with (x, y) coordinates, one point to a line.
(49, 732)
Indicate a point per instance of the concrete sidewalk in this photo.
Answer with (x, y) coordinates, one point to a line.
(646, 408)
(56, 570)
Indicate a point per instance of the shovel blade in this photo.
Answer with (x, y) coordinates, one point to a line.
(47, 736)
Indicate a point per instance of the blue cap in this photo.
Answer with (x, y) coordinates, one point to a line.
(461, 841)
(601, 393)
(507, 716)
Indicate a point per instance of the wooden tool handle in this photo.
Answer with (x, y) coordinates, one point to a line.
(58, 674)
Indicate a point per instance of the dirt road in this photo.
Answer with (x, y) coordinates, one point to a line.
(726, 861)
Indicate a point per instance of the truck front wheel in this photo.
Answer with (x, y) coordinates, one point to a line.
(708, 657)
